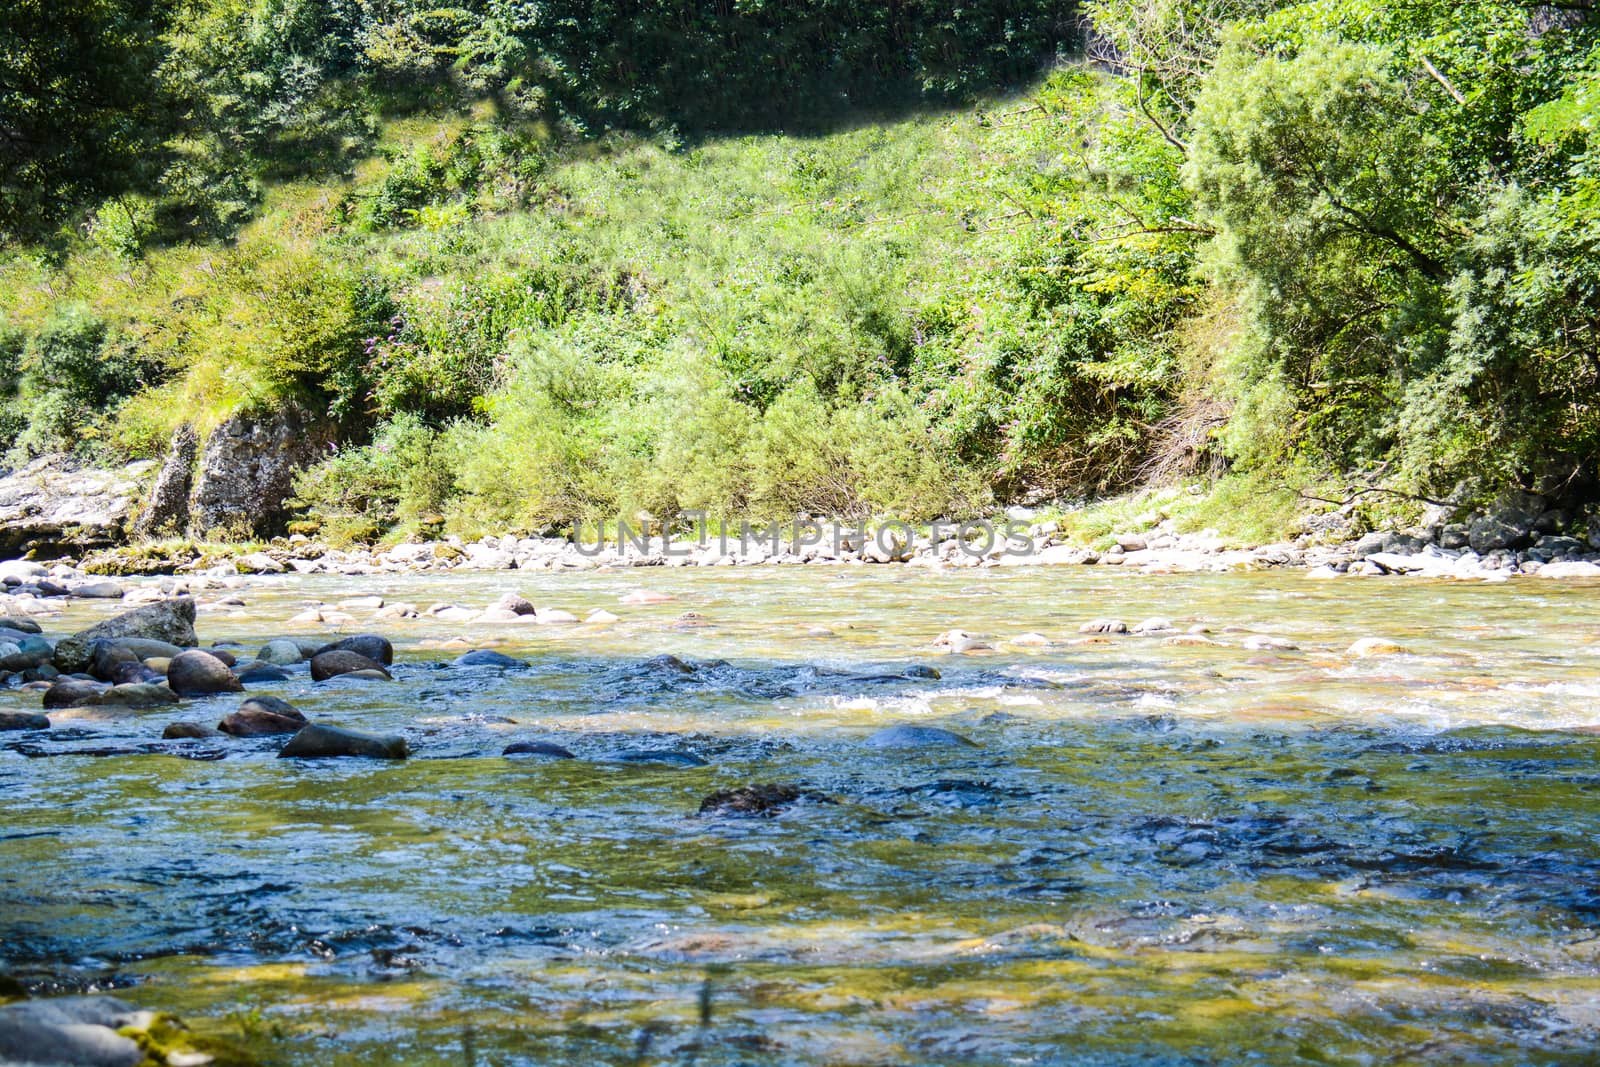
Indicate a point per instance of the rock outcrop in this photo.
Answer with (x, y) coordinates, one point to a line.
(247, 471)
(167, 511)
(52, 507)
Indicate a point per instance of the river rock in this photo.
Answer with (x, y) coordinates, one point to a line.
(146, 648)
(1374, 646)
(763, 801)
(96, 591)
(26, 653)
(23, 720)
(373, 646)
(483, 657)
(106, 656)
(600, 616)
(957, 642)
(26, 626)
(1154, 626)
(138, 695)
(73, 693)
(258, 563)
(906, 735)
(1268, 643)
(198, 672)
(1104, 626)
(182, 731)
(671, 757)
(556, 616)
(260, 716)
(171, 621)
(70, 1032)
(316, 741)
(646, 596)
(256, 672)
(537, 748)
(282, 651)
(335, 662)
(1570, 569)
(514, 603)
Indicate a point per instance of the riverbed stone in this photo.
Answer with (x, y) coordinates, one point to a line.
(199, 672)
(1269, 643)
(1570, 569)
(96, 591)
(257, 672)
(73, 693)
(70, 1032)
(28, 652)
(181, 731)
(316, 741)
(483, 657)
(282, 651)
(374, 647)
(23, 720)
(138, 695)
(1375, 646)
(908, 735)
(555, 616)
(514, 603)
(338, 661)
(171, 621)
(762, 800)
(106, 656)
(1104, 626)
(261, 716)
(537, 748)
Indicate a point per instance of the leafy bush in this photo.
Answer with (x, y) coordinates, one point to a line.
(386, 489)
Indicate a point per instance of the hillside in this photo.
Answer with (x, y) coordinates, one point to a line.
(1297, 246)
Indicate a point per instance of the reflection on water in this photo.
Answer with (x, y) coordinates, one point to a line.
(1157, 851)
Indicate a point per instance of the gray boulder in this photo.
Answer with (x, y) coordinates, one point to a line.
(318, 742)
(23, 720)
(537, 748)
(375, 647)
(169, 621)
(199, 673)
(282, 651)
(909, 736)
(325, 665)
(483, 657)
(167, 511)
(70, 1032)
(247, 470)
(260, 716)
(138, 695)
(73, 693)
(28, 652)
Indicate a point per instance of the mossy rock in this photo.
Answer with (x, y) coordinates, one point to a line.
(167, 1042)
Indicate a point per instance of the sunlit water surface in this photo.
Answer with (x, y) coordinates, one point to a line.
(1157, 853)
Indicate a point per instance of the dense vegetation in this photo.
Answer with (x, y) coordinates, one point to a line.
(541, 262)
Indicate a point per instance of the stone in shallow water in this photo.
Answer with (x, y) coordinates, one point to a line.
(73, 693)
(138, 695)
(373, 646)
(282, 651)
(909, 736)
(1375, 646)
(317, 741)
(23, 720)
(666, 756)
(66, 1032)
(537, 748)
(184, 731)
(325, 665)
(171, 621)
(483, 657)
(261, 716)
(199, 673)
(764, 800)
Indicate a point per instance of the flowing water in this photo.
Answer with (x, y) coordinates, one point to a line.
(1156, 853)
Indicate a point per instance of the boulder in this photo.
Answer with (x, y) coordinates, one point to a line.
(73, 693)
(282, 651)
(26, 653)
(911, 736)
(258, 563)
(537, 748)
(138, 695)
(107, 655)
(170, 621)
(1367, 647)
(166, 513)
(147, 648)
(373, 646)
(27, 626)
(23, 720)
(199, 673)
(96, 591)
(513, 603)
(260, 716)
(54, 506)
(1104, 626)
(70, 1032)
(317, 742)
(256, 672)
(179, 731)
(483, 657)
(330, 664)
(247, 470)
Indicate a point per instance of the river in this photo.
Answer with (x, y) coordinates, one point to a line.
(1158, 852)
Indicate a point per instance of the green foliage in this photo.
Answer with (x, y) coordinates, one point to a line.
(388, 488)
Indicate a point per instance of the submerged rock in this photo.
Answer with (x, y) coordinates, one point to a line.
(373, 646)
(200, 673)
(73, 693)
(537, 748)
(181, 731)
(331, 664)
(763, 801)
(260, 716)
(667, 756)
(170, 621)
(1375, 646)
(256, 672)
(316, 741)
(138, 695)
(23, 720)
(909, 736)
(483, 657)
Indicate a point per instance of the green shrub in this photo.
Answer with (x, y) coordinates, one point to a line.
(386, 489)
